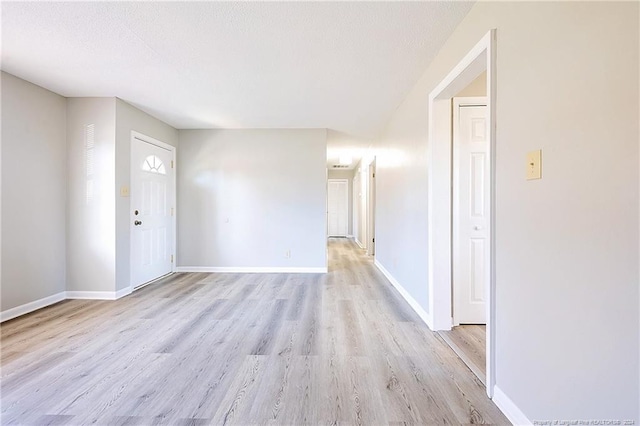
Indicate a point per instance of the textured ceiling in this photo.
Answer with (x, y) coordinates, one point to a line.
(339, 65)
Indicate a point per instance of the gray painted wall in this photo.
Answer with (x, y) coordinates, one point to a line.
(91, 229)
(34, 192)
(567, 255)
(245, 197)
(130, 118)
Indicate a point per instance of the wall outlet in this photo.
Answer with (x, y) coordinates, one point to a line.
(287, 254)
(124, 191)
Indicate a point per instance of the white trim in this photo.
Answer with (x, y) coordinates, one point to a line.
(371, 207)
(152, 141)
(349, 236)
(509, 408)
(424, 315)
(123, 292)
(64, 295)
(95, 295)
(358, 243)
(481, 57)
(31, 306)
(253, 270)
(174, 190)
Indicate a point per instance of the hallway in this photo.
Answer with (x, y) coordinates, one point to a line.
(198, 348)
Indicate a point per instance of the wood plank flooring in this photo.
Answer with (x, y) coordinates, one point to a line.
(201, 349)
(469, 342)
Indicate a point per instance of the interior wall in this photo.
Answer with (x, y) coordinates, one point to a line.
(34, 193)
(566, 246)
(128, 119)
(477, 87)
(246, 197)
(91, 232)
(345, 174)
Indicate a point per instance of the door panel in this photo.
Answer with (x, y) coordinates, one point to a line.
(337, 208)
(151, 229)
(470, 221)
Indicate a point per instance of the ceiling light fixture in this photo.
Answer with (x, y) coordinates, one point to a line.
(345, 160)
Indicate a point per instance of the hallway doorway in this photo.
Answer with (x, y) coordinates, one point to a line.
(442, 215)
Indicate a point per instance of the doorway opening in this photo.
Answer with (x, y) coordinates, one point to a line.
(445, 189)
(469, 243)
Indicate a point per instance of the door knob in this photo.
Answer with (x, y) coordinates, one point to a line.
(137, 223)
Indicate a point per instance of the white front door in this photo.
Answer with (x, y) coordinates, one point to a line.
(152, 198)
(338, 207)
(471, 196)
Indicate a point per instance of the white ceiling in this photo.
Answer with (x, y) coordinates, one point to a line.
(339, 65)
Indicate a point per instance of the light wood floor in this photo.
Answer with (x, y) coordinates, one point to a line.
(287, 349)
(469, 342)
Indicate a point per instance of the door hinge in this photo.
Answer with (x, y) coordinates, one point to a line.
(373, 240)
(172, 164)
(171, 258)
(374, 175)
(171, 211)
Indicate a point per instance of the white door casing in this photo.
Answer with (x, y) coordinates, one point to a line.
(152, 209)
(481, 57)
(371, 210)
(470, 197)
(338, 207)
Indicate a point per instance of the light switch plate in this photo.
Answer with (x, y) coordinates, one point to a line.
(534, 165)
(124, 191)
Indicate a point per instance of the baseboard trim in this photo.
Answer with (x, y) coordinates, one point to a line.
(94, 295)
(405, 294)
(31, 306)
(123, 292)
(509, 408)
(358, 243)
(252, 270)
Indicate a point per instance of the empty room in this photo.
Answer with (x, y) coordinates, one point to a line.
(292, 213)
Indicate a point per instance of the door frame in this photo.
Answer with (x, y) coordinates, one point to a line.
(480, 58)
(371, 208)
(346, 199)
(458, 101)
(172, 188)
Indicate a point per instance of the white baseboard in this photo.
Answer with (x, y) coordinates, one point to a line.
(94, 295)
(509, 408)
(252, 270)
(123, 292)
(359, 243)
(405, 294)
(31, 306)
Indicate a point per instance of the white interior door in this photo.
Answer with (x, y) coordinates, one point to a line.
(152, 208)
(338, 207)
(471, 197)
